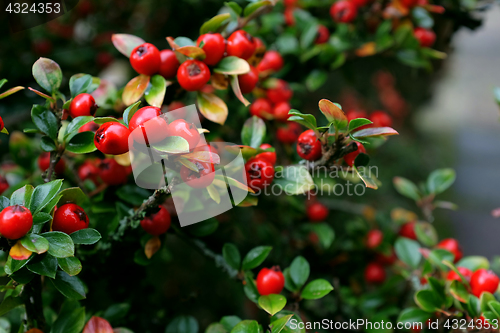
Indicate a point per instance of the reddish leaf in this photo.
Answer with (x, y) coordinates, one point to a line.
(135, 89)
(212, 107)
(152, 246)
(203, 156)
(34, 330)
(39, 93)
(192, 52)
(126, 43)
(98, 325)
(19, 252)
(235, 85)
(11, 91)
(332, 112)
(375, 131)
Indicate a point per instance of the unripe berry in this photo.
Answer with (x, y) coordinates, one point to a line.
(193, 75)
(69, 218)
(169, 64)
(214, 47)
(272, 61)
(408, 230)
(374, 238)
(270, 281)
(82, 105)
(249, 80)
(351, 157)
(112, 173)
(261, 108)
(451, 245)
(426, 38)
(308, 146)
(157, 223)
(260, 173)
(343, 11)
(240, 44)
(188, 131)
(374, 273)
(466, 273)
(271, 157)
(482, 281)
(145, 59)
(44, 163)
(112, 138)
(15, 222)
(317, 212)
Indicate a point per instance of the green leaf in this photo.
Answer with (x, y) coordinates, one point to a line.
(43, 264)
(47, 144)
(116, 312)
(437, 256)
(440, 180)
(60, 244)
(253, 132)
(413, 315)
(426, 234)
(246, 326)
(358, 122)
(459, 291)
(72, 195)
(290, 327)
(21, 196)
(422, 17)
(484, 300)
(69, 286)
(307, 120)
(272, 303)
(10, 303)
(75, 125)
(235, 8)
(183, 324)
(126, 43)
(232, 255)
(43, 194)
(35, 243)
(325, 233)
(86, 236)
(316, 79)
(79, 83)
(278, 325)
(215, 328)
(428, 300)
(47, 74)
(229, 322)
(216, 22)
(41, 218)
(308, 35)
(408, 251)
(82, 143)
(12, 265)
(133, 194)
(294, 179)
(407, 188)
(204, 228)
(474, 263)
(44, 120)
(250, 287)
(472, 306)
(71, 319)
(172, 145)
(156, 90)
(255, 257)
(130, 111)
(253, 6)
(316, 289)
(365, 176)
(495, 307)
(232, 66)
(299, 271)
(71, 265)
(4, 203)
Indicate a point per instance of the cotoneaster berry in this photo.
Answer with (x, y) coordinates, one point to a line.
(409, 3)
(4, 185)
(451, 245)
(280, 111)
(374, 273)
(374, 238)
(308, 146)
(201, 179)
(112, 173)
(408, 230)
(89, 127)
(193, 75)
(467, 274)
(343, 11)
(261, 108)
(44, 163)
(317, 212)
(380, 119)
(289, 132)
(426, 38)
(249, 80)
(15, 222)
(169, 64)
(1, 124)
(280, 92)
(386, 258)
(188, 131)
(149, 120)
(482, 281)
(271, 157)
(112, 138)
(270, 281)
(260, 173)
(145, 59)
(360, 3)
(351, 157)
(240, 44)
(323, 35)
(354, 114)
(214, 47)
(272, 61)
(89, 170)
(69, 218)
(82, 105)
(157, 223)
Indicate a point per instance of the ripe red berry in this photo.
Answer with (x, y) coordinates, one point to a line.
(103, 59)
(82, 105)
(280, 92)
(44, 163)
(112, 138)
(4, 185)
(355, 114)
(89, 170)
(260, 173)
(386, 259)
(290, 3)
(374, 238)
(271, 157)
(145, 59)
(289, 132)
(451, 245)
(270, 281)
(467, 274)
(308, 146)
(188, 131)
(483, 280)
(89, 127)
(374, 273)
(169, 64)
(351, 157)
(317, 212)
(408, 230)
(201, 179)
(149, 120)
(157, 223)
(343, 11)
(1, 124)
(426, 38)
(323, 35)
(214, 47)
(289, 16)
(409, 3)
(261, 108)
(112, 173)
(380, 119)
(15, 222)
(280, 111)
(70, 218)
(249, 80)
(193, 75)
(360, 3)
(241, 44)
(272, 60)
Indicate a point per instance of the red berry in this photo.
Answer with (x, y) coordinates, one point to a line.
(89, 127)
(374, 238)
(280, 111)
(408, 230)
(157, 223)
(409, 3)
(44, 163)
(426, 38)
(323, 35)
(214, 47)
(317, 212)
(4, 185)
(201, 179)
(169, 64)
(271, 157)
(89, 170)
(103, 59)
(360, 3)
(355, 114)
(289, 16)
(343, 11)
(260, 173)
(374, 273)
(82, 105)
(386, 259)
(290, 3)
(241, 44)
(270, 281)
(451, 245)
(380, 119)
(112, 138)
(280, 92)
(1, 124)
(193, 75)
(188, 131)
(113, 173)
(15, 222)
(483, 280)
(467, 274)
(145, 59)
(272, 60)
(153, 127)
(308, 146)
(249, 80)
(70, 218)
(351, 157)
(261, 108)
(289, 132)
